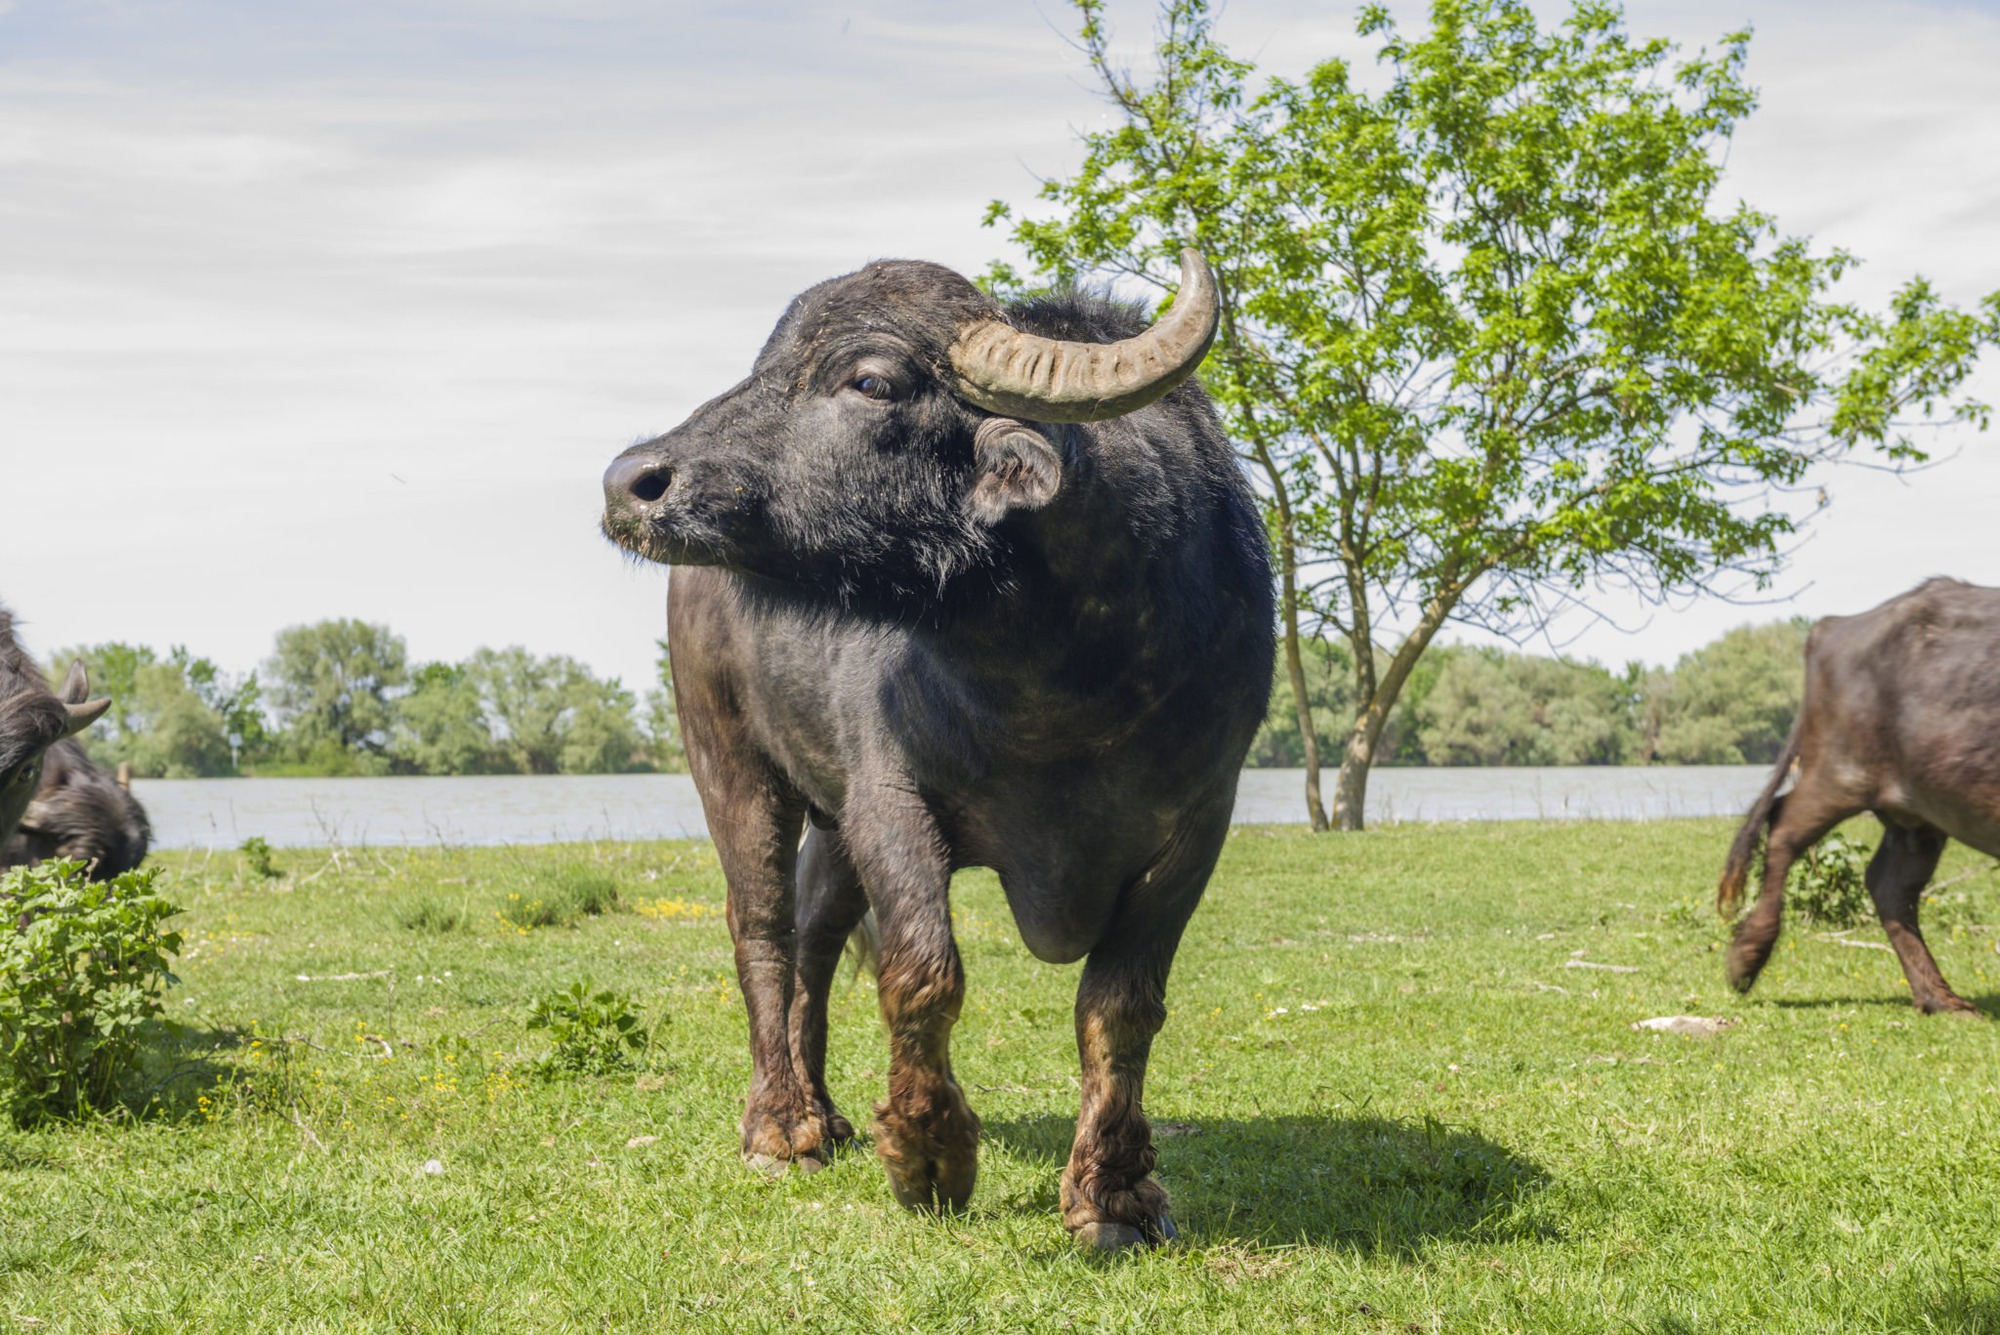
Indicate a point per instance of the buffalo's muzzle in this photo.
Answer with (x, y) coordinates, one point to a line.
(635, 478)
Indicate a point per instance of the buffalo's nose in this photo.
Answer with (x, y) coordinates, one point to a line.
(642, 479)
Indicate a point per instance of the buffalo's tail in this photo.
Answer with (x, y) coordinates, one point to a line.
(1750, 836)
(864, 946)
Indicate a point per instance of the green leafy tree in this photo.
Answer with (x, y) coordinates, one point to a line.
(440, 725)
(114, 668)
(1732, 701)
(599, 733)
(550, 715)
(1491, 707)
(663, 724)
(1490, 334)
(237, 701)
(1328, 672)
(331, 685)
(169, 718)
(176, 733)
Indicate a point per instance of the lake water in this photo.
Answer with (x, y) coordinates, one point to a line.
(297, 813)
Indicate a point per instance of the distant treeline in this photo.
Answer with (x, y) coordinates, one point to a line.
(342, 698)
(1730, 702)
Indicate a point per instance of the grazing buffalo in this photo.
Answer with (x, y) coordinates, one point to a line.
(32, 720)
(79, 811)
(1901, 717)
(960, 586)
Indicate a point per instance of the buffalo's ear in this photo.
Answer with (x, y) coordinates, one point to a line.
(1014, 468)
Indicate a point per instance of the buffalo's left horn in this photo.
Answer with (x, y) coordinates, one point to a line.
(1006, 371)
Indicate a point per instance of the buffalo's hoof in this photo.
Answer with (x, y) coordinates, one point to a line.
(1742, 965)
(936, 1189)
(1109, 1236)
(770, 1165)
(932, 1161)
(1950, 1004)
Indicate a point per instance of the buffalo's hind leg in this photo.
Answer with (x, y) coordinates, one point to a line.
(830, 904)
(1110, 1199)
(1803, 817)
(1896, 878)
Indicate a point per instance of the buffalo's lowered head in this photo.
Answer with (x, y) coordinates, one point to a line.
(31, 721)
(892, 421)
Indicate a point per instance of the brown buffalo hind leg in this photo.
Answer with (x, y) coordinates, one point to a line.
(925, 1133)
(830, 903)
(1110, 1199)
(1896, 878)
(1802, 818)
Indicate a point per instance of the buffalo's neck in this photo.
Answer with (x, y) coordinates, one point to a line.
(1086, 612)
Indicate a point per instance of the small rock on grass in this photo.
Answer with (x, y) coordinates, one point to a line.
(1694, 1026)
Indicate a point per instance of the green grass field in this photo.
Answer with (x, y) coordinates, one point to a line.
(1389, 1100)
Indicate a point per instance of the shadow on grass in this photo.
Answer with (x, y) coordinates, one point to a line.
(1989, 1005)
(178, 1071)
(1374, 1184)
(1960, 1307)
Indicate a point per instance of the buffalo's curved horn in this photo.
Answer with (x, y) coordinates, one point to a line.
(1022, 375)
(74, 694)
(83, 715)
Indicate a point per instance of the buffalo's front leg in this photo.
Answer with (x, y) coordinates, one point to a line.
(1110, 1198)
(755, 818)
(925, 1133)
(783, 1121)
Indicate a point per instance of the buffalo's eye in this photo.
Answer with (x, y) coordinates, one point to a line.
(874, 386)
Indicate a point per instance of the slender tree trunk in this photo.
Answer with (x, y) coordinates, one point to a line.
(1288, 611)
(1295, 667)
(1350, 786)
(1350, 789)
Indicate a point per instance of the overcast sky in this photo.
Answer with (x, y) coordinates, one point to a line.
(326, 309)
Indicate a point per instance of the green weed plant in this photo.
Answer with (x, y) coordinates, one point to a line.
(257, 859)
(590, 1032)
(82, 967)
(432, 913)
(1828, 887)
(560, 896)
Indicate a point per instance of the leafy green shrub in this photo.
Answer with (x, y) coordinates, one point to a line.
(257, 857)
(1827, 885)
(591, 1033)
(559, 897)
(82, 964)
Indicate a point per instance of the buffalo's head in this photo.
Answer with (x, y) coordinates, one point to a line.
(892, 422)
(31, 721)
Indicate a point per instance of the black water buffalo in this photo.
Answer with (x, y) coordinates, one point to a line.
(1901, 717)
(960, 586)
(80, 811)
(32, 720)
